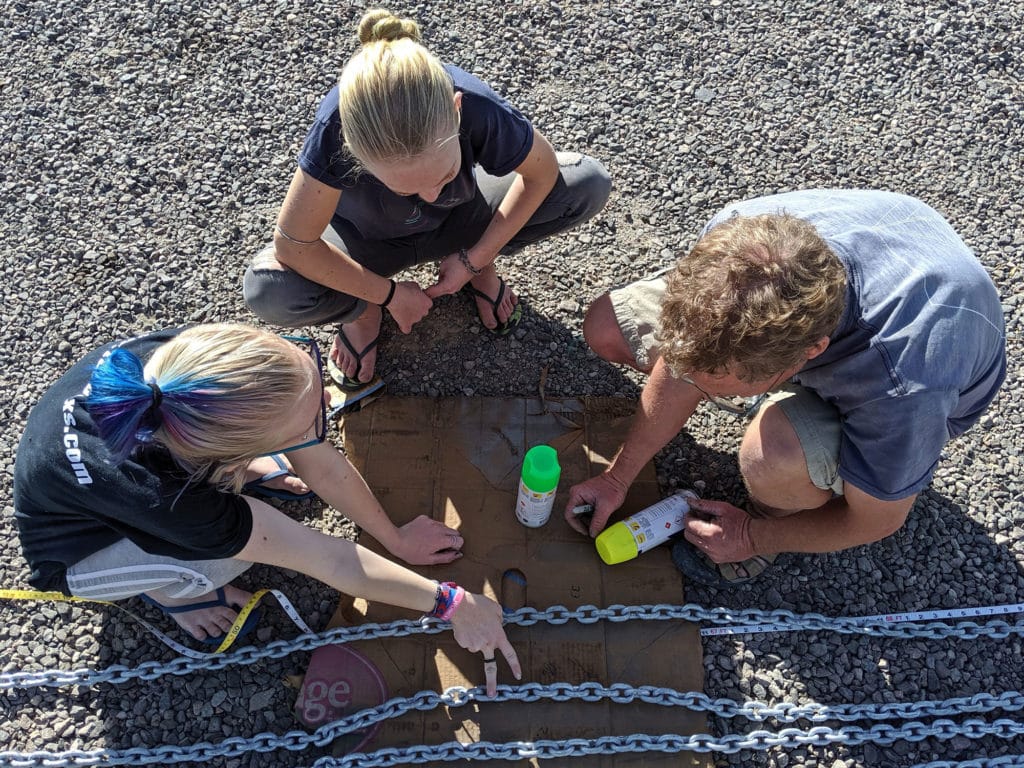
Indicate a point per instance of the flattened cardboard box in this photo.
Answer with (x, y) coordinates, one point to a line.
(459, 460)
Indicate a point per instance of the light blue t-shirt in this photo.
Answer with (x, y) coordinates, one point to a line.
(920, 349)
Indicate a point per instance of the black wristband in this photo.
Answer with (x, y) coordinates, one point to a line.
(391, 293)
(464, 258)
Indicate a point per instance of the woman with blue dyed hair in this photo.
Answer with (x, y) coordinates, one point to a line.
(132, 478)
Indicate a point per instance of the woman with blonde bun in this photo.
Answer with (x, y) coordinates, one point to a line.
(411, 161)
(132, 475)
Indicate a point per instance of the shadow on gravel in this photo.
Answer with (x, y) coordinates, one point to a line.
(450, 353)
(941, 559)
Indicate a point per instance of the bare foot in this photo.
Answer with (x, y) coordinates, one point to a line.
(488, 282)
(207, 622)
(360, 333)
(265, 465)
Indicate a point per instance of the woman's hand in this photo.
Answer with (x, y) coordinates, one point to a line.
(452, 275)
(477, 625)
(425, 541)
(409, 305)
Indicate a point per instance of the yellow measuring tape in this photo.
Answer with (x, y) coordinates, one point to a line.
(32, 594)
(229, 637)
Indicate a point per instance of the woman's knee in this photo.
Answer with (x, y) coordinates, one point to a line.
(283, 297)
(268, 296)
(589, 181)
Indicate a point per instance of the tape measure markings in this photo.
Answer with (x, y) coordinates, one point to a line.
(885, 618)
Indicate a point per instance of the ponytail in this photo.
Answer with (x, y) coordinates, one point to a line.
(209, 396)
(122, 403)
(396, 101)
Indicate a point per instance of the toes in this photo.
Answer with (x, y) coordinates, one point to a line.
(369, 365)
(294, 484)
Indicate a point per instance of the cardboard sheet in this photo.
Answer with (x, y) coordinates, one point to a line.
(459, 460)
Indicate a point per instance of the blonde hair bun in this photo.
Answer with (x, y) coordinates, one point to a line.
(395, 98)
(379, 25)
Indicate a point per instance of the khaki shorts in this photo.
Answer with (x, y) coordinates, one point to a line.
(819, 429)
(637, 308)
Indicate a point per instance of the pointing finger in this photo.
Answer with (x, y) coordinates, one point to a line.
(490, 673)
(512, 658)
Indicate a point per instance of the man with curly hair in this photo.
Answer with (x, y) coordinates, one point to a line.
(858, 331)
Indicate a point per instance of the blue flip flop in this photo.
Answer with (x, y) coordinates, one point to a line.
(258, 488)
(250, 623)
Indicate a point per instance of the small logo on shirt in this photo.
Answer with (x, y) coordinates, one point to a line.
(417, 213)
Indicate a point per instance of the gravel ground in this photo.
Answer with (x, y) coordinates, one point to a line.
(146, 149)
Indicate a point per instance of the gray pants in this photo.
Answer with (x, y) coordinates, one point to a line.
(123, 570)
(285, 298)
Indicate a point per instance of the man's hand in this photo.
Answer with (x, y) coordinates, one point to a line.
(477, 627)
(409, 305)
(425, 541)
(719, 530)
(604, 493)
(451, 277)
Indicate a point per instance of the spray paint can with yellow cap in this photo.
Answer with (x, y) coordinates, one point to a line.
(645, 530)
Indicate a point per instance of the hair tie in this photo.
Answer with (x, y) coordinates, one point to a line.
(158, 396)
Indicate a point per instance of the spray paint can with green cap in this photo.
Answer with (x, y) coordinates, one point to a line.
(537, 486)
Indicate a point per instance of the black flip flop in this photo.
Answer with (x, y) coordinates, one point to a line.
(258, 487)
(501, 328)
(350, 383)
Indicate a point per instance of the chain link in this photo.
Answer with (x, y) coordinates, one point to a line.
(969, 630)
(1005, 761)
(672, 743)
(885, 734)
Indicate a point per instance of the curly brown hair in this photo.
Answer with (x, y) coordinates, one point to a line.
(752, 297)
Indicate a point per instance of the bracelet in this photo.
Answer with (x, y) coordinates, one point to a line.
(447, 598)
(391, 293)
(290, 239)
(464, 258)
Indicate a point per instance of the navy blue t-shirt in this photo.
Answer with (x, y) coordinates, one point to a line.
(491, 134)
(72, 500)
(920, 349)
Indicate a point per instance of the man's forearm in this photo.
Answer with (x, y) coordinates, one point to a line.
(665, 406)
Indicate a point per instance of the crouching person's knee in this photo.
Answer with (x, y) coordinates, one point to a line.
(603, 335)
(268, 289)
(774, 465)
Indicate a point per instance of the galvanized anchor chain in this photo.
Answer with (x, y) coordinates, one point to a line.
(589, 614)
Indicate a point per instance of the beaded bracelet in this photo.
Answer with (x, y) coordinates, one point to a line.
(391, 293)
(448, 597)
(464, 258)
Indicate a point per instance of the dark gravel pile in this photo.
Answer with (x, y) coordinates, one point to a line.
(146, 148)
